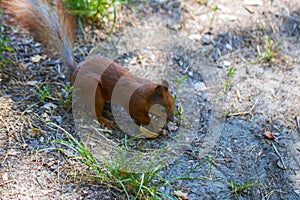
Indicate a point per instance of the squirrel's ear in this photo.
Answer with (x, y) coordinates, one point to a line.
(165, 84)
(159, 90)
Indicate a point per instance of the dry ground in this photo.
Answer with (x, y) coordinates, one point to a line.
(185, 38)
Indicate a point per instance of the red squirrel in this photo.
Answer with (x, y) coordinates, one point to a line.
(54, 28)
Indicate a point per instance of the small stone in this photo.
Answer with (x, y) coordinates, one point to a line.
(49, 106)
(226, 63)
(196, 37)
(200, 86)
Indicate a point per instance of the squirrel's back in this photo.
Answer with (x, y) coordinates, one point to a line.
(54, 28)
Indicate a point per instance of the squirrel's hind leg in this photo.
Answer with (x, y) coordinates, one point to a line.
(99, 105)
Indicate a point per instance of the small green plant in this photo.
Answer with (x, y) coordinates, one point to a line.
(269, 51)
(214, 9)
(105, 10)
(67, 95)
(239, 189)
(44, 93)
(228, 114)
(179, 82)
(64, 97)
(3, 45)
(203, 2)
(230, 75)
(146, 185)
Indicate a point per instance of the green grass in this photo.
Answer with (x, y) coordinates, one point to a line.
(203, 1)
(44, 93)
(230, 75)
(103, 10)
(63, 97)
(66, 96)
(179, 82)
(269, 51)
(144, 185)
(239, 189)
(3, 46)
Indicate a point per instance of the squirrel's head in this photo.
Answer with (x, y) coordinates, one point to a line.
(162, 96)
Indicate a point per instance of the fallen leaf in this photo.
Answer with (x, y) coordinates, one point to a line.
(180, 194)
(36, 58)
(270, 136)
(24, 66)
(35, 131)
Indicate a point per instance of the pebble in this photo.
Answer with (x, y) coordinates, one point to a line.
(226, 63)
(200, 86)
(196, 37)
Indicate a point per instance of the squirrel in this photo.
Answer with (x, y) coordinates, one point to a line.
(53, 26)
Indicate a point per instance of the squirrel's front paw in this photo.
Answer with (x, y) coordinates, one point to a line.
(105, 122)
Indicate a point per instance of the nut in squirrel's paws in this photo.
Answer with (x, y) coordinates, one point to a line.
(147, 133)
(158, 121)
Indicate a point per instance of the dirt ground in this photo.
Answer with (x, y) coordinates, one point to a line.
(229, 116)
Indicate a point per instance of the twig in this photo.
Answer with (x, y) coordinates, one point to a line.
(298, 122)
(277, 152)
(246, 112)
(239, 113)
(6, 182)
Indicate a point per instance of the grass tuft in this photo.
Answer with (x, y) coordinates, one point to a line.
(103, 10)
(3, 46)
(269, 51)
(230, 76)
(239, 189)
(146, 185)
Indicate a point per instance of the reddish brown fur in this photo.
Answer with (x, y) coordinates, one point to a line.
(54, 28)
(146, 93)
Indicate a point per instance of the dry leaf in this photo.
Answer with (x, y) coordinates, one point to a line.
(180, 194)
(24, 66)
(36, 58)
(35, 131)
(270, 135)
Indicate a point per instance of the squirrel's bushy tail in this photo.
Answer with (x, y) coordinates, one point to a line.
(50, 25)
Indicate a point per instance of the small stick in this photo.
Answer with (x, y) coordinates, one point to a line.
(239, 113)
(277, 152)
(298, 122)
(246, 112)
(6, 182)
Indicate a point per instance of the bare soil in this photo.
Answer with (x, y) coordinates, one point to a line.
(169, 40)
